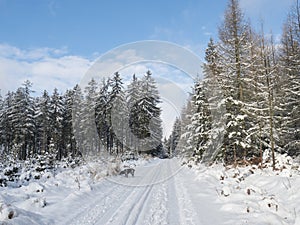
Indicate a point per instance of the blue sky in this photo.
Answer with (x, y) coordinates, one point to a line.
(53, 43)
(92, 27)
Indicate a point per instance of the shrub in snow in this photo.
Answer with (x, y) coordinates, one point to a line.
(40, 202)
(33, 187)
(7, 212)
(71, 161)
(225, 191)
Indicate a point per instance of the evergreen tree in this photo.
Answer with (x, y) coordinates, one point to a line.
(101, 115)
(234, 48)
(42, 117)
(118, 113)
(201, 122)
(90, 141)
(6, 124)
(68, 138)
(144, 117)
(149, 120)
(56, 117)
(289, 60)
(77, 101)
(185, 146)
(211, 107)
(172, 142)
(133, 96)
(21, 115)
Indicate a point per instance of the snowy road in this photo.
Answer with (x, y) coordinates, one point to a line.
(160, 193)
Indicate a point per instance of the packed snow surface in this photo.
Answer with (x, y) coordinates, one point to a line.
(161, 192)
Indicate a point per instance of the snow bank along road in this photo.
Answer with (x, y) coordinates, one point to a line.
(159, 193)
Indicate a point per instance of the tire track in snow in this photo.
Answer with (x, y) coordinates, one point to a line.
(97, 206)
(164, 201)
(158, 213)
(103, 205)
(137, 208)
(187, 212)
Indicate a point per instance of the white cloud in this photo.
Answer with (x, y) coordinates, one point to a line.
(8, 51)
(45, 67)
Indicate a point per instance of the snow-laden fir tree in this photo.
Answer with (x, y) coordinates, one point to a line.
(200, 122)
(151, 113)
(133, 94)
(88, 125)
(42, 118)
(173, 140)
(78, 101)
(289, 60)
(6, 124)
(101, 116)
(21, 114)
(68, 140)
(56, 110)
(118, 115)
(144, 115)
(234, 49)
(211, 105)
(185, 147)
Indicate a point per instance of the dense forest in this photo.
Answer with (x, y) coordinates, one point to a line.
(258, 94)
(101, 118)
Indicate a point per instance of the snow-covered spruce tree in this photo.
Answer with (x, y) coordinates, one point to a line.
(174, 138)
(68, 139)
(56, 115)
(6, 124)
(118, 113)
(212, 66)
(76, 118)
(234, 49)
(152, 113)
(90, 142)
(145, 121)
(213, 109)
(289, 61)
(185, 146)
(21, 115)
(42, 128)
(166, 144)
(133, 95)
(200, 122)
(101, 115)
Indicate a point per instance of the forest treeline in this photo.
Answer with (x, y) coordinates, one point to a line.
(254, 82)
(102, 117)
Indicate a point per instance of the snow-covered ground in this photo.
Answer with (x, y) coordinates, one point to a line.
(161, 192)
